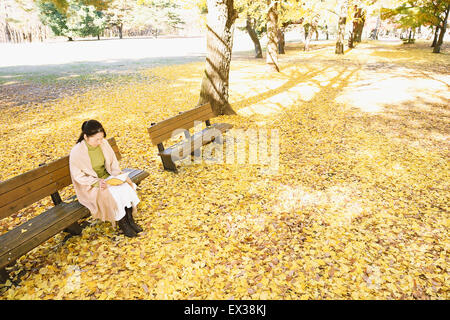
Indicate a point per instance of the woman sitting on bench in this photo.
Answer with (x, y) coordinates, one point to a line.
(91, 161)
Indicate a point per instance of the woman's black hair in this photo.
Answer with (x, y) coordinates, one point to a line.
(89, 128)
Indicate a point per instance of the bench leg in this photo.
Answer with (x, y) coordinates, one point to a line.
(196, 153)
(74, 229)
(168, 164)
(3, 275)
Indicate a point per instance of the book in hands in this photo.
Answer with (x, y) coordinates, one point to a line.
(117, 180)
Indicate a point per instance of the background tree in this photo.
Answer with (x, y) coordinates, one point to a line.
(86, 20)
(19, 21)
(255, 23)
(415, 13)
(343, 12)
(272, 38)
(63, 5)
(77, 19)
(358, 23)
(157, 14)
(359, 18)
(118, 13)
(56, 20)
(310, 29)
(254, 31)
(442, 10)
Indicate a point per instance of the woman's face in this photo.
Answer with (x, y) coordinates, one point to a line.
(95, 140)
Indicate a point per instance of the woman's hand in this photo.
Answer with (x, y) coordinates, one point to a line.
(103, 184)
(130, 182)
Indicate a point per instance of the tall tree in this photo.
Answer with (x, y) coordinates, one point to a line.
(442, 28)
(343, 12)
(220, 28)
(56, 20)
(19, 21)
(119, 13)
(359, 19)
(86, 20)
(255, 21)
(415, 13)
(272, 44)
(76, 19)
(250, 26)
(436, 36)
(310, 28)
(163, 14)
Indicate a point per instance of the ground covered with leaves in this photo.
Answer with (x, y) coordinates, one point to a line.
(357, 208)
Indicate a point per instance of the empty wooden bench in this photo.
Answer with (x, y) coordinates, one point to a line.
(161, 131)
(407, 40)
(23, 190)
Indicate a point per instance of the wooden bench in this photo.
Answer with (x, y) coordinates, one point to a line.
(161, 131)
(406, 40)
(23, 190)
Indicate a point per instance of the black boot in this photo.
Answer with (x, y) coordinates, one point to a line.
(133, 224)
(126, 228)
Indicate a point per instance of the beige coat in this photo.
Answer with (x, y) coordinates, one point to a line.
(100, 203)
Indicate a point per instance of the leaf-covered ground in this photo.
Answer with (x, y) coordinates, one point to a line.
(358, 207)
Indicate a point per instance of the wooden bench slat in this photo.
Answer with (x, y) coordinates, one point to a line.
(186, 114)
(33, 174)
(24, 190)
(27, 230)
(185, 125)
(164, 130)
(17, 242)
(222, 127)
(159, 130)
(30, 198)
(46, 224)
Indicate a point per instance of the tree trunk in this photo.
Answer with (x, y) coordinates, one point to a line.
(272, 45)
(358, 35)
(341, 27)
(358, 24)
(350, 40)
(326, 31)
(309, 30)
(8, 33)
(377, 27)
(281, 42)
(436, 35)
(437, 47)
(254, 37)
(219, 40)
(120, 27)
(361, 26)
(308, 36)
